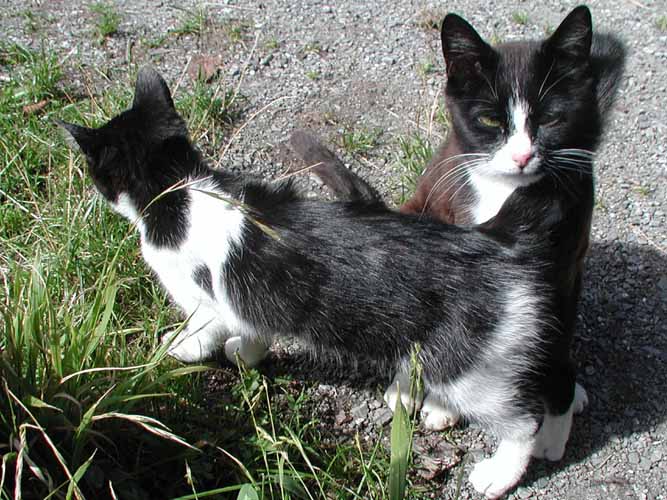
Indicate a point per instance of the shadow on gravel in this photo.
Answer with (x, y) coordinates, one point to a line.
(621, 350)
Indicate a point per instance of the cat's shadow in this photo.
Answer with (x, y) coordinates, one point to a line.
(620, 349)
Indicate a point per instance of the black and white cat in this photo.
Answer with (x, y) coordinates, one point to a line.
(526, 118)
(247, 260)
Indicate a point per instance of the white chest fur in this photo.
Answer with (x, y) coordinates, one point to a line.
(491, 191)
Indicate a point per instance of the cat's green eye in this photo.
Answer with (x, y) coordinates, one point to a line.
(487, 121)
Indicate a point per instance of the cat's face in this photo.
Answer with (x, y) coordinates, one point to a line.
(522, 108)
(120, 153)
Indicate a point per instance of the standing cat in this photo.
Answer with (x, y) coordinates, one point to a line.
(247, 260)
(526, 118)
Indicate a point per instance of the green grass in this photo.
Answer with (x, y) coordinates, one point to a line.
(192, 21)
(426, 68)
(431, 19)
(313, 75)
(360, 140)
(107, 20)
(89, 403)
(661, 23)
(415, 151)
(520, 18)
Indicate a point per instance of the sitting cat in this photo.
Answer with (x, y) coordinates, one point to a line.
(247, 260)
(526, 118)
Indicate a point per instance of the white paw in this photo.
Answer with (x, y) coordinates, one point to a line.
(436, 417)
(492, 479)
(392, 394)
(251, 352)
(188, 349)
(580, 399)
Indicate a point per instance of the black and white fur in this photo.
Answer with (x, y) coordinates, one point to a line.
(248, 260)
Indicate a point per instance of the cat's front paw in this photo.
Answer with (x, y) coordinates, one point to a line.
(493, 478)
(251, 352)
(188, 349)
(410, 403)
(437, 417)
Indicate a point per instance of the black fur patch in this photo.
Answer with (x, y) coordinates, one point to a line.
(202, 276)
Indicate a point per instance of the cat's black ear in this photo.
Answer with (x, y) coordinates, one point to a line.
(574, 35)
(83, 136)
(151, 90)
(462, 47)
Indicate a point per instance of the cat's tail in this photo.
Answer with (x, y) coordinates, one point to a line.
(608, 63)
(345, 184)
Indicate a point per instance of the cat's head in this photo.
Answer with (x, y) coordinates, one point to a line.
(130, 154)
(525, 106)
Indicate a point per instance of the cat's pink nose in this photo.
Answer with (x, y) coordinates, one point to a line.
(521, 159)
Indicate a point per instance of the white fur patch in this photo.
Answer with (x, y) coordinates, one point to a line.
(400, 387)
(495, 475)
(492, 191)
(437, 417)
(496, 181)
(212, 226)
(126, 208)
(553, 435)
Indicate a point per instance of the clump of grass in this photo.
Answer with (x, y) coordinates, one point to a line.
(107, 20)
(360, 140)
(237, 30)
(272, 44)
(312, 48)
(192, 22)
(426, 68)
(520, 18)
(415, 151)
(430, 19)
(313, 74)
(661, 23)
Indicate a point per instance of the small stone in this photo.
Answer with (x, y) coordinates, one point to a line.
(382, 416)
(633, 458)
(523, 492)
(342, 418)
(360, 412)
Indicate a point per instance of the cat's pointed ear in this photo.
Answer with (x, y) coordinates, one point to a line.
(462, 47)
(82, 136)
(151, 90)
(574, 35)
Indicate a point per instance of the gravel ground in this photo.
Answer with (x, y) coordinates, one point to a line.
(374, 65)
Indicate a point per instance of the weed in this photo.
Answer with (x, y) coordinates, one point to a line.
(237, 30)
(313, 74)
(107, 20)
(312, 48)
(426, 68)
(661, 23)
(192, 22)
(31, 20)
(361, 140)
(272, 44)
(430, 19)
(415, 153)
(520, 18)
